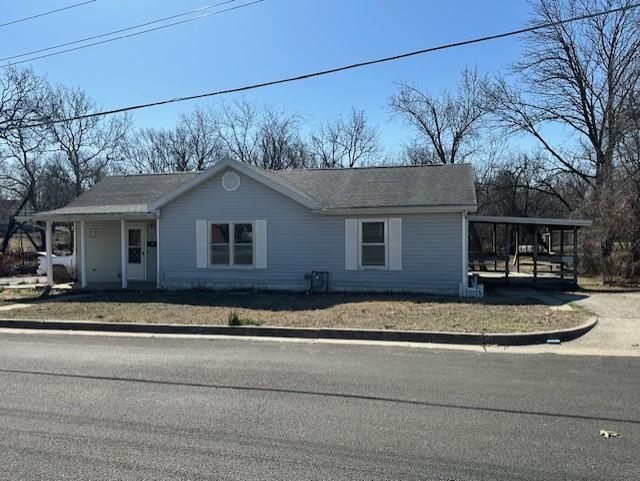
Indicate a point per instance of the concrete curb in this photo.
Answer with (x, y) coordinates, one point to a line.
(514, 339)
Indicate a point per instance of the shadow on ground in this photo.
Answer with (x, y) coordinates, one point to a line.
(279, 301)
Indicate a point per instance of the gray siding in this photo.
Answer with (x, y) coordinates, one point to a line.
(103, 251)
(299, 241)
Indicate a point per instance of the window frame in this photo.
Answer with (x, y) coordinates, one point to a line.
(232, 235)
(385, 221)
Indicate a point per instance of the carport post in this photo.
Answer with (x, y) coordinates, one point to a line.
(494, 247)
(575, 255)
(518, 247)
(535, 253)
(123, 252)
(49, 249)
(507, 249)
(561, 253)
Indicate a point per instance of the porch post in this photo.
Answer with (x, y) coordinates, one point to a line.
(158, 248)
(465, 255)
(83, 253)
(49, 250)
(123, 252)
(75, 248)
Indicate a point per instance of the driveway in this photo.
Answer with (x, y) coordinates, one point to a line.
(616, 334)
(618, 326)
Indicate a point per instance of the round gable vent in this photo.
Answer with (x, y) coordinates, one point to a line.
(230, 181)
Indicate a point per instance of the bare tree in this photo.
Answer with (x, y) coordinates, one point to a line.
(446, 123)
(22, 150)
(345, 143)
(326, 145)
(192, 145)
(237, 128)
(205, 146)
(279, 141)
(21, 99)
(88, 146)
(577, 78)
(580, 76)
(148, 151)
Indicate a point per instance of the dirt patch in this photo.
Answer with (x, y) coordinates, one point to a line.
(373, 311)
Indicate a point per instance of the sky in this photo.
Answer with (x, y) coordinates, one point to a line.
(266, 41)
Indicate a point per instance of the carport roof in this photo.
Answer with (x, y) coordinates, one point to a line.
(542, 221)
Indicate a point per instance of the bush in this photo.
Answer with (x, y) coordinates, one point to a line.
(12, 264)
(234, 319)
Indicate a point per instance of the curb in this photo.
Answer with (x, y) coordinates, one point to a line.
(438, 337)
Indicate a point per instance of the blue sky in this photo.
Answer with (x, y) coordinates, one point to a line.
(275, 38)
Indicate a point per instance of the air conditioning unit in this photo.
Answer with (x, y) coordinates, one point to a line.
(319, 281)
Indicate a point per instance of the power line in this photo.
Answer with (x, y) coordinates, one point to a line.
(319, 73)
(114, 32)
(46, 13)
(120, 37)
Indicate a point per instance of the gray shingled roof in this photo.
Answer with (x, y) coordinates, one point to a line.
(416, 186)
(124, 193)
(428, 185)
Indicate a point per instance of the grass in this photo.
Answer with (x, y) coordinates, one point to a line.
(373, 311)
(595, 284)
(11, 296)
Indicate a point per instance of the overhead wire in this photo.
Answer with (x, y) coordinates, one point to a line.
(120, 37)
(329, 71)
(114, 32)
(50, 12)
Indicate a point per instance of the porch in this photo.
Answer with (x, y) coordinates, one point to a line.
(111, 253)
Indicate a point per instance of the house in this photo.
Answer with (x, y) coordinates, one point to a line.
(236, 226)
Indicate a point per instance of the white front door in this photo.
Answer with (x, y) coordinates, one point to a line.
(136, 251)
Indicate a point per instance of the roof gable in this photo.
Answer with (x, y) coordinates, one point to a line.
(259, 175)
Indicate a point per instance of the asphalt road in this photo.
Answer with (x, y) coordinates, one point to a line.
(84, 407)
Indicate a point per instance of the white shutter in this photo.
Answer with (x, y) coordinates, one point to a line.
(260, 238)
(351, 244)
(395, 244)
(202, 259)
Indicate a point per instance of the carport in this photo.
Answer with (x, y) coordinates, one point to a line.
(523, 250)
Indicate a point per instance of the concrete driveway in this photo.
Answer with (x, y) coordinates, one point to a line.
(616, 334)
(618, 326)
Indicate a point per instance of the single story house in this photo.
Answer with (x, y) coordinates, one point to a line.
(235, 226)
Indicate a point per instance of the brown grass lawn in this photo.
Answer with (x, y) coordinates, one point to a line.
(11, 296)
(374, 311)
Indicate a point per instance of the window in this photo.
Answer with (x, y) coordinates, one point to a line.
(231, 244)
(135, 246)
(373, 243)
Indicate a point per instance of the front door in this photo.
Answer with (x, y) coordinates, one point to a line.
(136, 243)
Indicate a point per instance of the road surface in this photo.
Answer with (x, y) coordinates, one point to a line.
(96, 407)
